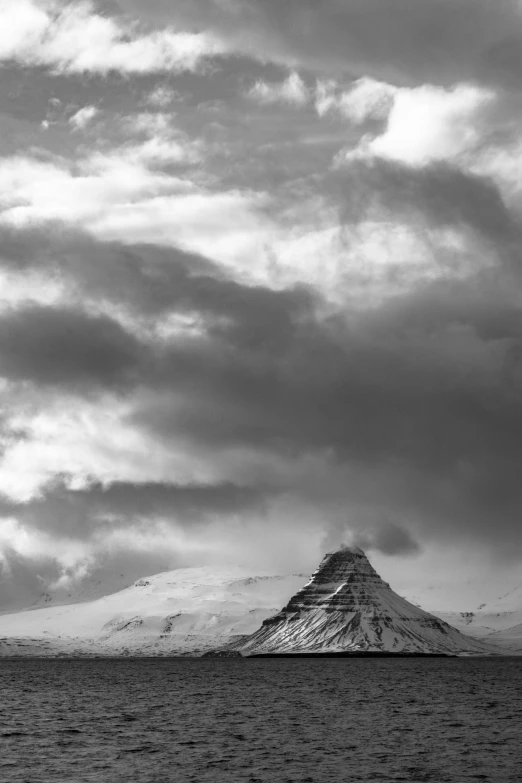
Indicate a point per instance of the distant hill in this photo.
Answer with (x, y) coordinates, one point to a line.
(500, 620)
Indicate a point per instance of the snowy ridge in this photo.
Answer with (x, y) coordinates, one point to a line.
(187, 611)
(346, 606)
(498, 621)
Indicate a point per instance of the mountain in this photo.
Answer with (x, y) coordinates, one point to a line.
(508, 638)
(347, 607)
(498, 621)
(187, 611)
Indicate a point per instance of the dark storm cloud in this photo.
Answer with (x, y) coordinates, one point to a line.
(438, 194)
(427, 388)
(69, 349)
(145, 278)
(149, 280)
(76, 513)
(424, 390)
(21, 582)
(390, 539)
(409, 41)
(366, 388)
(65, 347)
(26, 580)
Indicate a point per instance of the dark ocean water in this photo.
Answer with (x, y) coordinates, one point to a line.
(320, 721)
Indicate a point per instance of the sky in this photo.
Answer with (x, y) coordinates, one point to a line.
(260, 289)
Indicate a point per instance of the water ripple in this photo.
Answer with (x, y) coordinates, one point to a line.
(260, 721)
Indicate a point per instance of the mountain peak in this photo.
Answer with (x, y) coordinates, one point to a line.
(345, 566)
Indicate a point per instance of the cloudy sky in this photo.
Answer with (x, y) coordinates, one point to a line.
(260, 287)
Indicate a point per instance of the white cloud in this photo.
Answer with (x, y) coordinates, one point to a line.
(83, 117)
(149, 123)
(37, 545)
(366, 100)
(157, 150)
(364, 265)
(85, 441)
(292, 91)
(164, 144)
(32, 190)
(162, 96)
(429, 124)
(117, 196)
(74, 38)
(28, 287)
(227, 227)
(503, 164)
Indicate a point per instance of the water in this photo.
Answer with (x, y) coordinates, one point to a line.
(260, 721)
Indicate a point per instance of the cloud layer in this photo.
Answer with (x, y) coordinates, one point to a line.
(75, 38)
(431, 41)
(261, 284)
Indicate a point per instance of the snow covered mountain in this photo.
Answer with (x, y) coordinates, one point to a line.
(346, 606)
(186, 611)
(498, 621)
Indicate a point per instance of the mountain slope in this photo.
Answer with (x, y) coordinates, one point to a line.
(184, 611)
(346, 606)
(498, 621)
